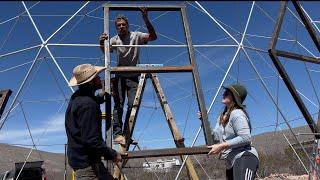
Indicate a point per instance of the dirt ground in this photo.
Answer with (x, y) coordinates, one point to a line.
(285, 176)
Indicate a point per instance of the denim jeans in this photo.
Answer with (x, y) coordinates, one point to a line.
(94, 172)
(121, 87)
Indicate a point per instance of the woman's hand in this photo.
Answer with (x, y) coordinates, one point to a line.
(217, 148)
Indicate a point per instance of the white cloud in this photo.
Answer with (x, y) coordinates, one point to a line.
(54, 125)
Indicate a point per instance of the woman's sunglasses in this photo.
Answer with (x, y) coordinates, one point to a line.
(226, 93)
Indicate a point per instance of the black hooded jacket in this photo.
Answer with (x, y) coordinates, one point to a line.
(83, 122)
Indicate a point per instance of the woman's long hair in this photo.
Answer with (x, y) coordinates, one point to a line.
(225, 115)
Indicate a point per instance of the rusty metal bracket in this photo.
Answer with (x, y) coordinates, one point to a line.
(4, 97)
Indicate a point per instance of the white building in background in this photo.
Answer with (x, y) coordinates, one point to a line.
(161, 165)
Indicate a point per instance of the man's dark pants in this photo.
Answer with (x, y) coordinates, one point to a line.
(94, 172)
(120, 87)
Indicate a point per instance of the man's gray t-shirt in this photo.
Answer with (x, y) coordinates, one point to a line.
(128, 56)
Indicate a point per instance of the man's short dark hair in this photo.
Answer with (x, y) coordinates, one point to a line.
(121, 16)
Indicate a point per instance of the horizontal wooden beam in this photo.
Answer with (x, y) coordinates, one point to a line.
(137, 69)
(297, 56)
(166, 152)
(151, 7)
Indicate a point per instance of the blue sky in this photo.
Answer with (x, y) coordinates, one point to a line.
(43, 98)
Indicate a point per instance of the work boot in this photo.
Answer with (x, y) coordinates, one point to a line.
(120, 139)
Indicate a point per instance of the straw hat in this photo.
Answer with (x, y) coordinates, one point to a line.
(84, 73)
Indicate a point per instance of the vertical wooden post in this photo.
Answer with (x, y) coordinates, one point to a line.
(196, 79)
(107, 87)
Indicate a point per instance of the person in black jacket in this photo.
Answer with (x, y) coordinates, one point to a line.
(83, 120)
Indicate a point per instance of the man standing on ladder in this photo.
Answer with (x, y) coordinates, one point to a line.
(127, 56)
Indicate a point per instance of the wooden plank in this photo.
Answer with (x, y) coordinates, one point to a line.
(166, 152)
(152, 69)
(196, 80)
(151, 7)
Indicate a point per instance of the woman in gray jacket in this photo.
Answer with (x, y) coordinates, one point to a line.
(232, 135)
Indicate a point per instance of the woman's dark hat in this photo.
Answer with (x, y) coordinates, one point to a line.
(239, 93)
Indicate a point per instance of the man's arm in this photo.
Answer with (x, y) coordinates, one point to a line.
(152, 33)
(102, 38)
